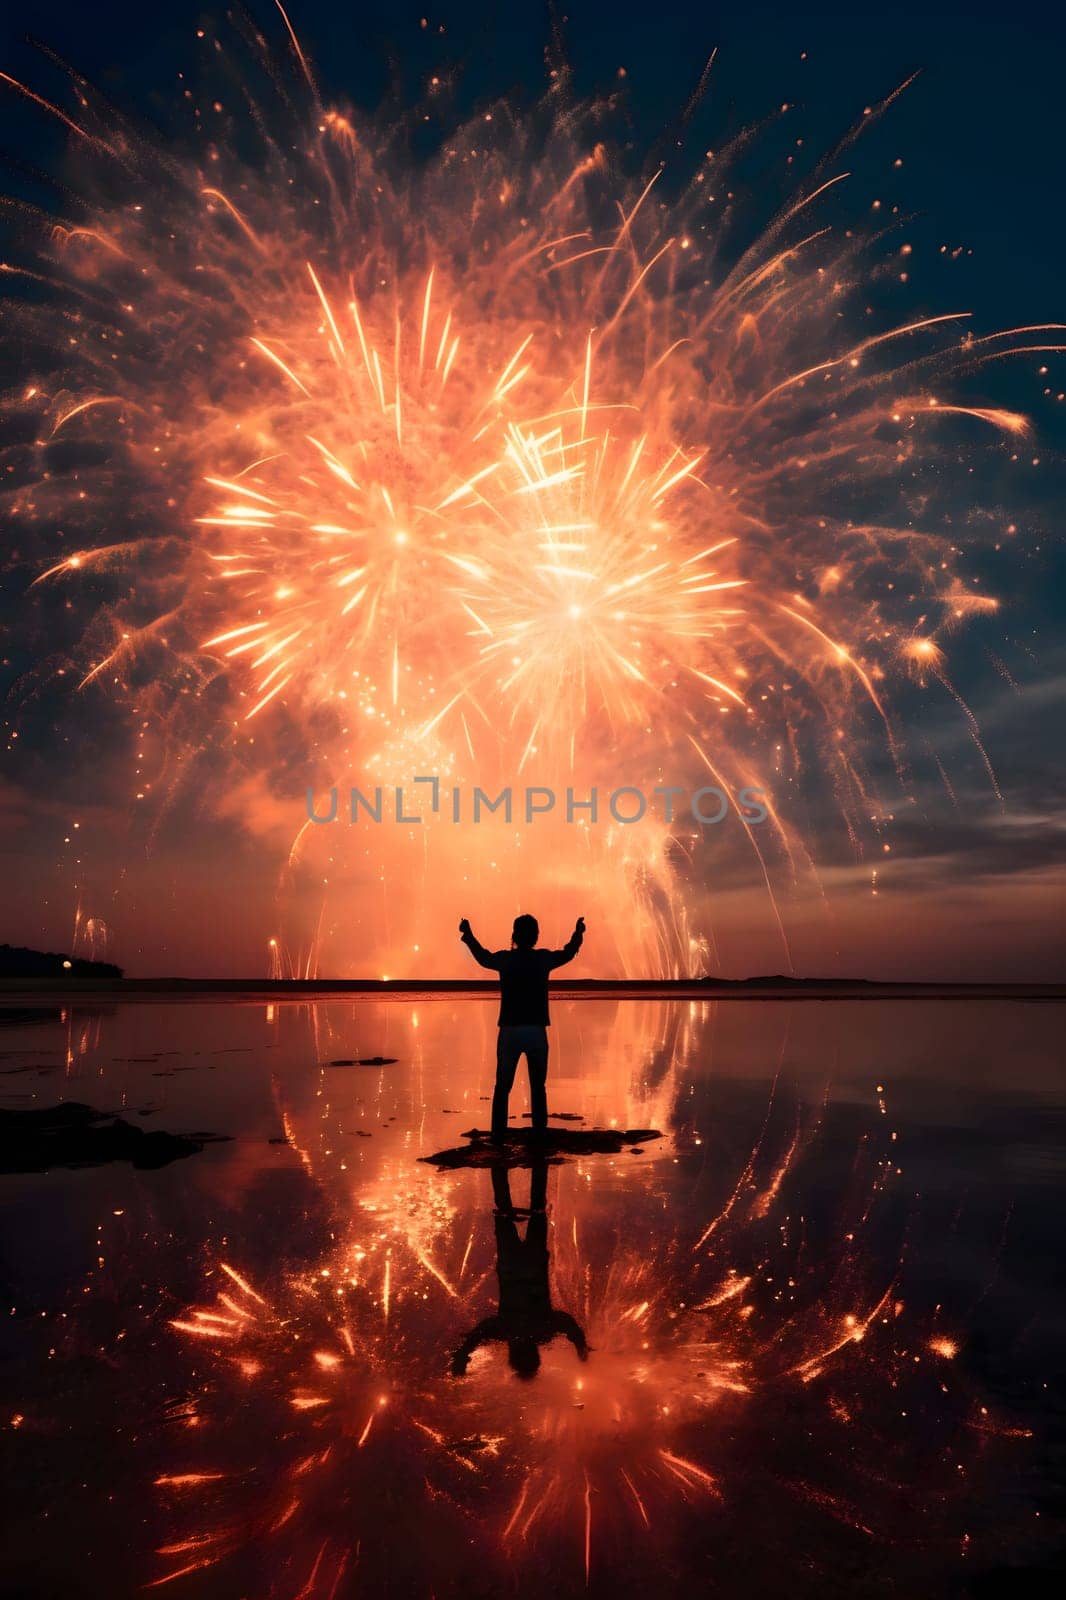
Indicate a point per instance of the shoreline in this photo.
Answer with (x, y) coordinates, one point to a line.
(33, 990)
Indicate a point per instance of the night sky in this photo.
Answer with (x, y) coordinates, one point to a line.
(975, 888)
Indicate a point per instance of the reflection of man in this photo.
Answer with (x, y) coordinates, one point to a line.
(526, 1318)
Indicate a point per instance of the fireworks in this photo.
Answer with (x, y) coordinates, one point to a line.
(506, 458)
(756, 1357)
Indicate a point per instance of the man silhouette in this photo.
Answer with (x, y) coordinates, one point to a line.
(526, 1318)
(524, 1018)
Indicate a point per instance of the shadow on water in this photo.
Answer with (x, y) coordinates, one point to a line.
(523, 1147)
(73, 1135)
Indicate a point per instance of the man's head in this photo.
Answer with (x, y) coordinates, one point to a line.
(525, 932)
(524, 1357)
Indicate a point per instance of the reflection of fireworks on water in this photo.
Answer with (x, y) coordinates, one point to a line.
(742, 1331)
(414, 456)
(352, 1421)
(344, 1414)
(686, 1340)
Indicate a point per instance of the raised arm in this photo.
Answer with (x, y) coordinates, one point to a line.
(489, 1329)
(483, 957)
(559, 958)
(571, 1329)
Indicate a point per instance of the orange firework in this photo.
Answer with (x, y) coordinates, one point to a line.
(503, 455)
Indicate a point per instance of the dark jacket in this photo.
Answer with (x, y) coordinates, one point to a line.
(523, 979)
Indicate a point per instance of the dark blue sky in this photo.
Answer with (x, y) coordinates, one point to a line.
(980, 131)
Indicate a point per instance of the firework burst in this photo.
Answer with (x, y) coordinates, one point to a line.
(510, 453)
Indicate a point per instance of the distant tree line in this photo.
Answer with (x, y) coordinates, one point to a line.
(18, 962)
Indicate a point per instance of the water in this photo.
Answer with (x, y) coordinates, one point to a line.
(805, 1344)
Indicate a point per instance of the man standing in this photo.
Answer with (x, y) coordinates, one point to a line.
(523, 1019)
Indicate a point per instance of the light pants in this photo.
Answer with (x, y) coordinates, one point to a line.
(514, 1043)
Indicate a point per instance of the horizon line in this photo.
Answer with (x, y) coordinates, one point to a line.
(757, 984)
